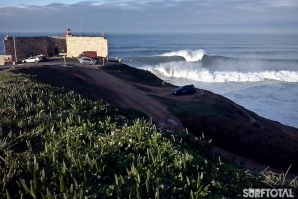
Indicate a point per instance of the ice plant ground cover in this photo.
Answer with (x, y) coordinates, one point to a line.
(57, 144)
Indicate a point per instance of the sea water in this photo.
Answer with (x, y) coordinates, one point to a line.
(257, 71)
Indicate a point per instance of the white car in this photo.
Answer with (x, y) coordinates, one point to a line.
(32, 60)
(79, 58)
(87, 60)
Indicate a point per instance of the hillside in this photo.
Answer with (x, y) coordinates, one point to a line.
(230, 126)
(65, 141)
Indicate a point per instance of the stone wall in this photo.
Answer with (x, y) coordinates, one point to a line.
(53, 45)
(56, 45)
(25, 46)
(1, 60)
(76, 45)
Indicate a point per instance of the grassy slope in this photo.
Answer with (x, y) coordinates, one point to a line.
(73, 80)
(261, 141)
(226, 123)
(56, 143)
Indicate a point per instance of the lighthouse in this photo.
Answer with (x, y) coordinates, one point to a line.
(68, 32)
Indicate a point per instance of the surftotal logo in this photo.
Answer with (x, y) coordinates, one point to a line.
(270, 193)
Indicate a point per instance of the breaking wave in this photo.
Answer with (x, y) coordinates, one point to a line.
(205, 75)
(189, 55)
(199, 57)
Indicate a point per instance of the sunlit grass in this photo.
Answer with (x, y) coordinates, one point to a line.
(58, 144)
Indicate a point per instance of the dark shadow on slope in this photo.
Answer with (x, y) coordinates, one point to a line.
(237, 130)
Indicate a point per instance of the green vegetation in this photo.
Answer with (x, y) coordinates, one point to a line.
(72, 80)
(190, 108)
(55, 143)
(69, 78)
(224, 122)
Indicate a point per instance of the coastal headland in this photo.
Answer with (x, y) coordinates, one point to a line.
(237, 133)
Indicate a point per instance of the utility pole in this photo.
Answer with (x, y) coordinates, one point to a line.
(15, 50)
(6, 37)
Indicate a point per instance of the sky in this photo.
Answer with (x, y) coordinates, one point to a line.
(150, 16)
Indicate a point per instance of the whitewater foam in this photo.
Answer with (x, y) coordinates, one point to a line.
(189, 55)
(205, 75)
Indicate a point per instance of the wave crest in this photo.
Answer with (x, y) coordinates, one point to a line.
(189, 55)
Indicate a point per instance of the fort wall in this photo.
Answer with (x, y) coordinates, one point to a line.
(56, 45)
(25, 46)
(53, 45)
(2, 62)
(76, 45)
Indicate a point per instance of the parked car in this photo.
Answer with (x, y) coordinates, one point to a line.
(83, 58)
(43, 57)
(183, 90)
(91, 54)
(34, 59)
(87, 60)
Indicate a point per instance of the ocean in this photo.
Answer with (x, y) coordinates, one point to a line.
(256, 71)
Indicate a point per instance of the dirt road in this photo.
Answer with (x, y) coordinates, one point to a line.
(133, 97)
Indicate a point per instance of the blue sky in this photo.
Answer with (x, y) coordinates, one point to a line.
(150, 16)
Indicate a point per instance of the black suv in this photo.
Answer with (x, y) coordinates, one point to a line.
(187, 89)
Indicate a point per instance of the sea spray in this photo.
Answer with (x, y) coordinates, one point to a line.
(189, 55)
